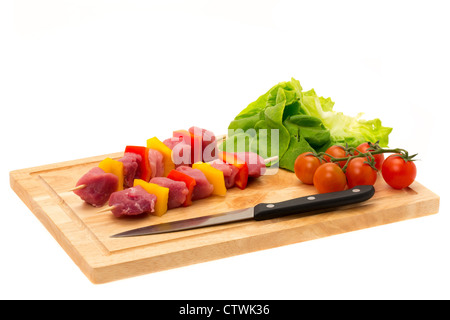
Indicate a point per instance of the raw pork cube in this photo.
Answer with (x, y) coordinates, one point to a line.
(203, 188)
(156, 161)
(229, 172)
(99, 186)
(131, 163)
(177, 191)
(132, 201)
(255, 163)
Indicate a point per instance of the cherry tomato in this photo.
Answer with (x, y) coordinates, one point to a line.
(379, 158)
(360, 173)
(329, 177)
(397, 172)
(337, 152)
(305, 166)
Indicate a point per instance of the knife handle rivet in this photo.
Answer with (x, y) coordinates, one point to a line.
(270, 205)
(356, 190)
(311, 198)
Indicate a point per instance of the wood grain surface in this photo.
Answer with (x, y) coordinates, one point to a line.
(85, 234)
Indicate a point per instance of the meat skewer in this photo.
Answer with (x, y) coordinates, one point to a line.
(136, 163)
(155, 162)
(134, 167)
(178, 192)
(229, 176)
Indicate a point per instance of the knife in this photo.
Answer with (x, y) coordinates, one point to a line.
(262, 211)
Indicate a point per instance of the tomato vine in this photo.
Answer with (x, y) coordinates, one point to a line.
(374, 149)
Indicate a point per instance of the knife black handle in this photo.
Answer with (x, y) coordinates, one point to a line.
(264, 211)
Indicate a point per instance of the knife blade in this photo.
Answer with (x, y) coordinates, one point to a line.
(262, 211)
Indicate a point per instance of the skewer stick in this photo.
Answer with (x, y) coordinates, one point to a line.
(221, 137)
(268, 160)
(81, 186)
(106, 209)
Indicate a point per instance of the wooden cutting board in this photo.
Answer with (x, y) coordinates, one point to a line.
(85, 234)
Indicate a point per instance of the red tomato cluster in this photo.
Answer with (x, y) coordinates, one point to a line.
(329, 176)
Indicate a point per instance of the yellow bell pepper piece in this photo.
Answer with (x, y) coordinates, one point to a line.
(214, 176)
(161, 193)
(115, 167)
(156, 144)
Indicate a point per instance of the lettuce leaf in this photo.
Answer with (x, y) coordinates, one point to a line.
(259, 136)
(297, 145)
(311, 128)
(343, 129)
(305, 122)
(291, 89)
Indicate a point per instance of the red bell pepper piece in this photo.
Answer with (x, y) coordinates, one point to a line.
(242, 175)
(188, 180)
(144, 171)
(194, 141)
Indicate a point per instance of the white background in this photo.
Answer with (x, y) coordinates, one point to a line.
(84, 78)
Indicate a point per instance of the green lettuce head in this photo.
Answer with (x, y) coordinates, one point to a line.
(303, 122)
